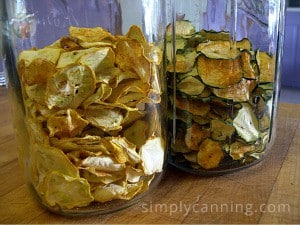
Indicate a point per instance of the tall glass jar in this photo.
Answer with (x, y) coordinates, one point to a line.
(224, 82)
(88, 99)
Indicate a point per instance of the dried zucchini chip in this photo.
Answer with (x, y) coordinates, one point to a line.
(36, 92)
(219, 73)
(153, 53)
(195, 107)
(194, 136)
(102, 163)
(130, 56)
(66, 123)
(102, 93)
(106, 118)
(237, 150)
(65, 191)
(69, 44)
(247, 66)
(132, 116)
(69, 87)
(243, 44)
(129, 91)
(36, 132)
(221, 131)
(136, 133)
(133, 175)
(87, 143)
(210, 154)
(266, 65)
(215, 36)
(47, 53)
(191, 157)
(178, 145)
(96, 34)
(97, 176)
(240, 92)
(99, 60)
(46, 159)
(191, 86)
(246, 124)
(184, 62)
(37, 72)
(152, 154)
(218, 50)
(182, 28)
(71, 57)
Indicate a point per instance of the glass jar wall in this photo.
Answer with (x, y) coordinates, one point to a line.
(224, 85)
(88, 99)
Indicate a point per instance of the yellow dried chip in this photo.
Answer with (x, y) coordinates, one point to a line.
(69, 44)
(37, 72)
(218, 49)
(99, 60)
(36, 92)
(130, 56)
(71, 57)
(69, 87)
(48, 53)
(109, 192)
(133, 175)
(237, 150)
(96, 34)
(210, 154)
(102, 163)
(66, 123)
(193, 106)
(266, 65)
(65, 191)
(102, 93)
(132, 116)
(108, 119)
(136, 133)
(194, 136)
(191, 86)
(130, 91)
(152, 154)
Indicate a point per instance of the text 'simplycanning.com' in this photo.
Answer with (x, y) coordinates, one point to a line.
(247, 209)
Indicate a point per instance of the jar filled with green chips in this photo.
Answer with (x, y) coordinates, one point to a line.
(223, 82)
(88, 94)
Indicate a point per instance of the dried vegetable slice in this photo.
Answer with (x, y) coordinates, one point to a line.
(221, 99)
(85, 97)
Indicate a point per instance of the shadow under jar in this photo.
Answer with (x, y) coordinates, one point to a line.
(88, 99)
(223, 82)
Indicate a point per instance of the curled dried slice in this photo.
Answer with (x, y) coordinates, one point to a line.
(193, 106)
(152, 154)
(106, 118)
(130, 56)
(221, 131)
(69, 87)
(102, 163)
(48, 53)
(239, 92)
(266, 65)
(66, 123)
(210, 154)
(99, 60)
(37, 71)
(102, 93)
(136, 133)
(219, 73)
(96, 34)
(184, 63)
(191, 86)
(65, 191)
(71, 57)
(218, 50)
(237, 150)
(46, 159)
(194, 136)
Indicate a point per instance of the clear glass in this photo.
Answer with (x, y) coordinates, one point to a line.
(88, 94)
(224, 82)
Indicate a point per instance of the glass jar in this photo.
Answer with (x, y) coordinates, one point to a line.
(224, 83)
(88, 99)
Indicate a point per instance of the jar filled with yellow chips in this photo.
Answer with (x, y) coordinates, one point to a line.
(224, 86)
(88, 95)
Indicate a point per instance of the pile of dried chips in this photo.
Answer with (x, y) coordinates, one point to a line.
(92, 104)
(223, 99)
